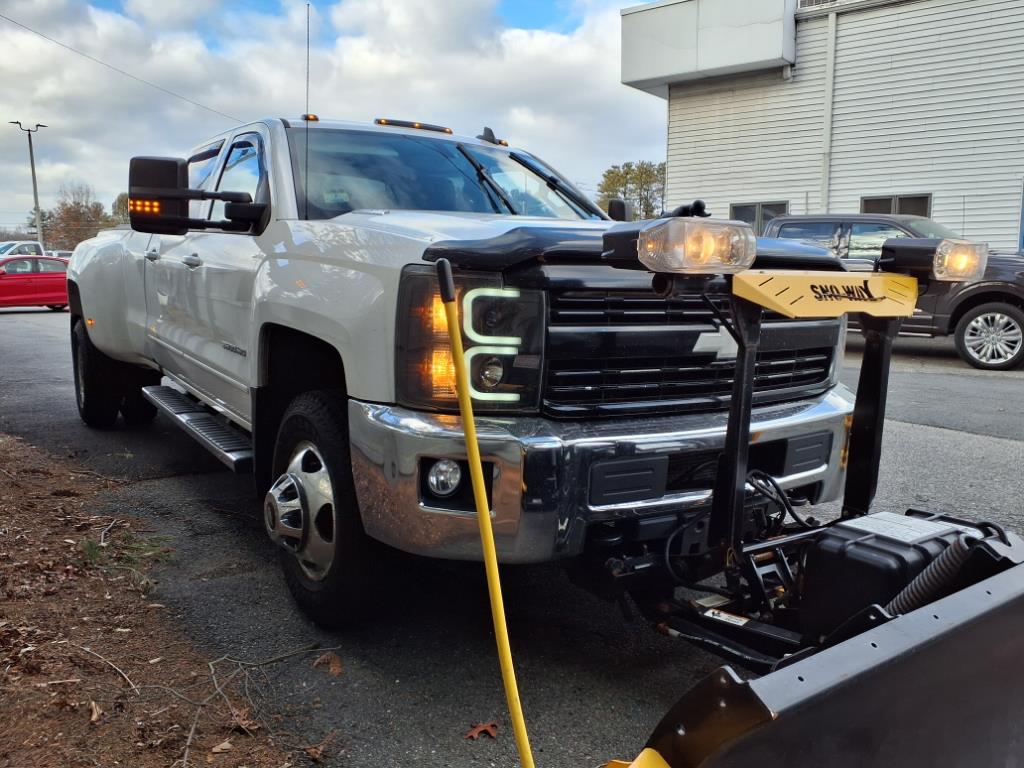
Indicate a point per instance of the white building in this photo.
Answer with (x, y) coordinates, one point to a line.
(809, 106)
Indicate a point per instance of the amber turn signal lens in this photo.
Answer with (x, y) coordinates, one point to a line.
(144, 206)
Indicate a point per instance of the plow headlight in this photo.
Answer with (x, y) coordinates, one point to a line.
(934, 259)
(697, 246)
(959, 260)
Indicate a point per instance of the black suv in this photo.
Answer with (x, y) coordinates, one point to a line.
(986, 317)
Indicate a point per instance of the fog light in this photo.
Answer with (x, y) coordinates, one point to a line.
(444, 477)
(490, 373)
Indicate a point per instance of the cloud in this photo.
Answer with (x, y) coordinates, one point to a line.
(554, 93)
(164, 14)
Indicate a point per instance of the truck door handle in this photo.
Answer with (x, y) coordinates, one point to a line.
(152, 255)
(192, 261)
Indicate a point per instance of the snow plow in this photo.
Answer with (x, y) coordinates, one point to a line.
(871, 639)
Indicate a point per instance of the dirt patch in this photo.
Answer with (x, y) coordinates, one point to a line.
(92, 671)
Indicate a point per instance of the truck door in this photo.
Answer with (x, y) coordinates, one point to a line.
(210, 276)
(170, 295)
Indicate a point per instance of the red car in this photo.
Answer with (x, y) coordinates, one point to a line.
(33, 281)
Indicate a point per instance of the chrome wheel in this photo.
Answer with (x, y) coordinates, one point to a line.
(993, 338)
(299, 511)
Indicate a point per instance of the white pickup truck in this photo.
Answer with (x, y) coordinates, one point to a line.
(276, 299)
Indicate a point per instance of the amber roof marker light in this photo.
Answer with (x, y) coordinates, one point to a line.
(411, 124)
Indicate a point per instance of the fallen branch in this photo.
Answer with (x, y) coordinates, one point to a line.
(112, 665)
(97, 474)
(105, 531)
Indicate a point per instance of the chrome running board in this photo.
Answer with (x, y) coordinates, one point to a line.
(228, 443)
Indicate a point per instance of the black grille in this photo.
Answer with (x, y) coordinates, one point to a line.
(620, 353)
(607, 308)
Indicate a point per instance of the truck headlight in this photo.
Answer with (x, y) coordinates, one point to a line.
(960, 260)
(697, 246)
(502, 333)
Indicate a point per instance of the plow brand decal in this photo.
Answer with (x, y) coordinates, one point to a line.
(828, 294)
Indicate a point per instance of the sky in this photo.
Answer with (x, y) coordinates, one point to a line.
(544, 75)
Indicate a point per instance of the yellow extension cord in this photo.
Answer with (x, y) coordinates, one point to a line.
(483, 514)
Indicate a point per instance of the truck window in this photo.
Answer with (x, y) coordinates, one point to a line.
(201, 166)
(819, 231)
(353, 170)
(866, 239)
(241, 173)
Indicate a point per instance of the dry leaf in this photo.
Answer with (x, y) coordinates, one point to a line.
(332, 661)
(478, 730)
(244, 721)
(224, 746)
(317, 752)
(96, 713)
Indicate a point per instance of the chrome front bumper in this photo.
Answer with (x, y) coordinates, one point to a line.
(539, 496)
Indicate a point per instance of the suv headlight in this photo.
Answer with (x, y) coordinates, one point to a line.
(502, 332)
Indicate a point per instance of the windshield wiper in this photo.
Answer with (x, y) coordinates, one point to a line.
(486, 178)
(558, 186)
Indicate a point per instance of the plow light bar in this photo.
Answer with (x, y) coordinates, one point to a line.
(935, 259)
(696, 246)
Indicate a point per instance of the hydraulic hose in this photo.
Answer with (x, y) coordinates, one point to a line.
(930, 582)
(483, 515)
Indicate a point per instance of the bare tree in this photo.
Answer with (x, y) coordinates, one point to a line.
(77, 216)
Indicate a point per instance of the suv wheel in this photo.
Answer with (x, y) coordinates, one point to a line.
(311, 513)
(991, 337)
(97, 385)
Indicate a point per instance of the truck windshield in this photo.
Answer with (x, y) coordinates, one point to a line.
(353, 170)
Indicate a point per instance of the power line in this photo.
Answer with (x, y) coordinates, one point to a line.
(120, 71)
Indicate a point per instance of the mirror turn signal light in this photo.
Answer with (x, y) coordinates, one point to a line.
(136, 205)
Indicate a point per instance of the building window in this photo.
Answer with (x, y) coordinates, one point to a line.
(913, 205)
(757, 215)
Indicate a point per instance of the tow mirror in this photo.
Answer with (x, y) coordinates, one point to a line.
(158, 197)
(620, 210)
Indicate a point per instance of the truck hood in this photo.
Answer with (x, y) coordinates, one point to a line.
(436, 226)
(494, 242)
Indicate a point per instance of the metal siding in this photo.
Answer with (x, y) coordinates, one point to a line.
(755, 138)
(928, 99)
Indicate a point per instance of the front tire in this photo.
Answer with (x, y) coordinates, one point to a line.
(98, 390)
(991, 337)
(57, 307)
(311, 512)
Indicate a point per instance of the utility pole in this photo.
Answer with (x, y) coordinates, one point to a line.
(35, 189)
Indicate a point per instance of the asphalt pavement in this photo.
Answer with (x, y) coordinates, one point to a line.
(593, 682)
